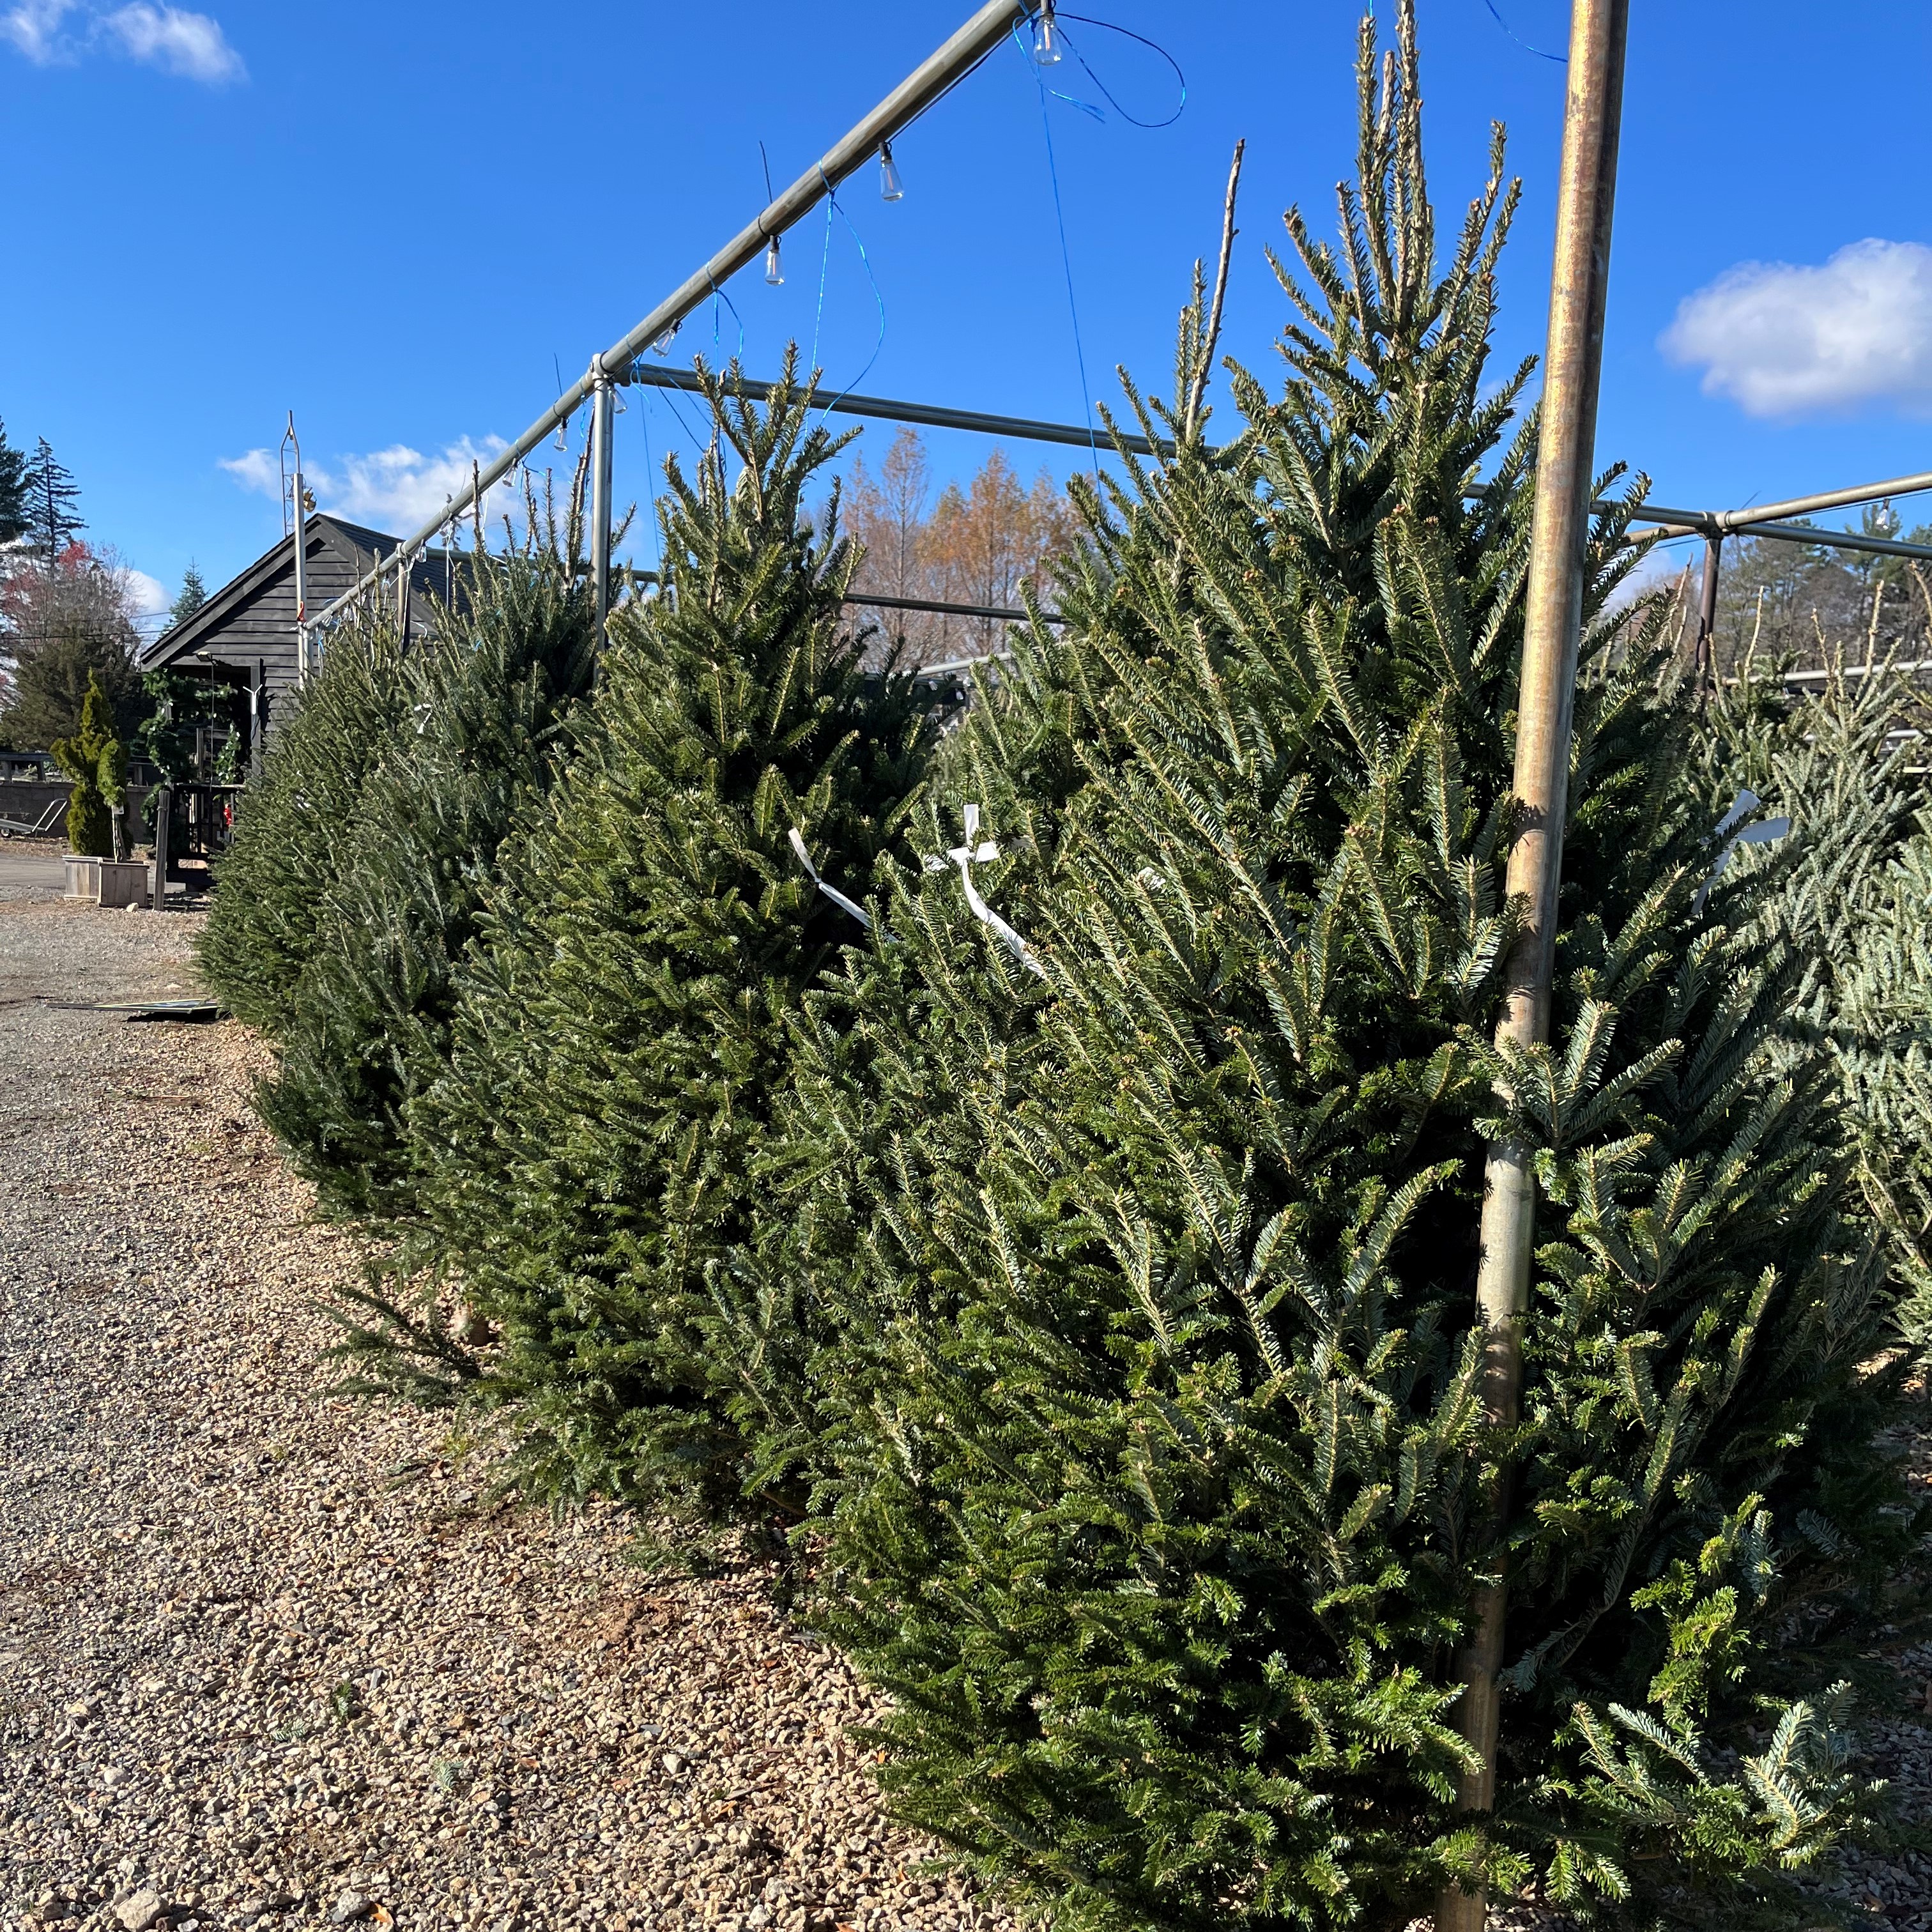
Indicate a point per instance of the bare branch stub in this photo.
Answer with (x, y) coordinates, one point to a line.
(1203, 369)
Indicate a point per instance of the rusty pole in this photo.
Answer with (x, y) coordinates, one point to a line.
(1552, 624)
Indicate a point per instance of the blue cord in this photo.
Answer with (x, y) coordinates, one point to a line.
(1558, 59)
(824, 261)
(718, 295)
(1067, 263)
(832, 203)
(1108, 26)
(650, 469)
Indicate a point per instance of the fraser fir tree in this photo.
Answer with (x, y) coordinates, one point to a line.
(489, 706)
(590, 1161)
(1147, 1233)
(265, 922)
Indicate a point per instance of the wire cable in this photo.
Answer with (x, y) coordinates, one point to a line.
(1067, 263)
(1108, 27)
(833, 205)
(1560, 59)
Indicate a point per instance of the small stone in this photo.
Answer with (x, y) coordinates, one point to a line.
(350, 1907)
(140, 1909)
(111, 1775)
(672, 1762)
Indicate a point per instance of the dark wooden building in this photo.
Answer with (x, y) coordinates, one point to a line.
(244, 635)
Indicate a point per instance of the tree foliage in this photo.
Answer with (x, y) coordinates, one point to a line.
(95, 759)
(589, 1162)
(1154, 1457)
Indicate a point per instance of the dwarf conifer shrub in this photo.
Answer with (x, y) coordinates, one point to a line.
(1153, 1453)
(95, 760)
(265, 922)
(591, 1159)
(487, 706)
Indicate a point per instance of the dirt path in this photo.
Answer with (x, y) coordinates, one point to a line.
(264, 1657)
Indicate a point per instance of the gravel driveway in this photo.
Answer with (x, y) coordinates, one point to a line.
(265, 1657)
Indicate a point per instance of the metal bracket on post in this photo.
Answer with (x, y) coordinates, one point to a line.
(603, 412)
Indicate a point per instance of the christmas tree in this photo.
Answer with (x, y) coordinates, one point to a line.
(590, 1161)
(1136, 1166)
(293, 822)
(489, 704)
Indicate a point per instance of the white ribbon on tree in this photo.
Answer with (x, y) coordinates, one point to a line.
(1765, 832)
(965, 856)
(831, 892)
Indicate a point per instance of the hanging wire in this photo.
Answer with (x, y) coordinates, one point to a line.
(1067, 263)
(718, 295)
(650, 472)
(1108, 26)
(1087, 106)
(1560, 60)
(833, 205)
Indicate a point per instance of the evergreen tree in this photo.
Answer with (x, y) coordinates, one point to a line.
(96, 761)
(1146, 1231)
(493, 699)
(51, 493)
(293, 822)
(621, 1039)
(14, 511)
(193, 594)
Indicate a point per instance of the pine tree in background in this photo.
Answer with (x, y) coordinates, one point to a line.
(13, 509)
(288, 849)
(193, 594)
(493, 699)
(52, 521)
(589, 1162)
(1155, 1451)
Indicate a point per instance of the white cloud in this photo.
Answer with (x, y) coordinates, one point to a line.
(34, 29)
(149, 595)
(255, 469)
(397, 490)
(192, 45)
(177, 42)
(1785, 340)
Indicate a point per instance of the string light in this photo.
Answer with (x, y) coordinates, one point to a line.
(1045, 41)
(774, 273)
(891, 188)
(662, 345)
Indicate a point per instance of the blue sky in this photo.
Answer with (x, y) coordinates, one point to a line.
(400, 220)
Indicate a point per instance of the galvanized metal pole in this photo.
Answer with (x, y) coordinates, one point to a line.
(1553, 621)
(603, 413)
(1706, 667)
(301, 580)
(937, 75)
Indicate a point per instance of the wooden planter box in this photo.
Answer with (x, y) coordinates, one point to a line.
(107, 882)
(123, 882)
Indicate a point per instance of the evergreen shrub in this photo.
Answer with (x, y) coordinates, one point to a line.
(266, 919)
(1152, 1459)
(487, 707)
(590, 1163)
(95, 760)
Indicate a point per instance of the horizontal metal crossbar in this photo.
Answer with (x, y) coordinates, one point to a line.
(889, 409)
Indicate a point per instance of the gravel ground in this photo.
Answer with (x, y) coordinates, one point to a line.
(265, 1656)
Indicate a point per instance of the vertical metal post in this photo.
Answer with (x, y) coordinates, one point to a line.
(258, 684)
(1705, 665)
(300, 522)
(603, 411)
(164, 809)
(1552, 625)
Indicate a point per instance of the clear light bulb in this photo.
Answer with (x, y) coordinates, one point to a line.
(1045, 41)
(662, 345)
(891, 188)
(774, 274)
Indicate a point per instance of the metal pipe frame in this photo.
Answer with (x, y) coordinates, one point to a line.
(1729, 523)
(993, 610)
(934, 77)
(602, 421)
(887, 408)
